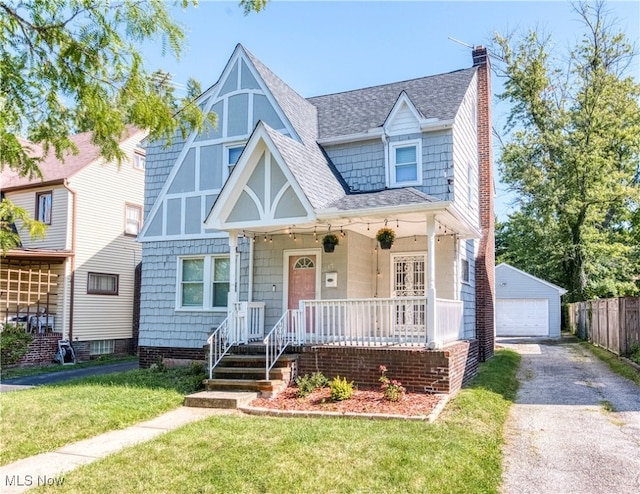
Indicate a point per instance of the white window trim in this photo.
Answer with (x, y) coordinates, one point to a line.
(137, 159)
(207, 281)
(462, 271)
(225, 158)
(138, 208)
(392, 162)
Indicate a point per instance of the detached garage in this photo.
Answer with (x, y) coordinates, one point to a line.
(526, 305)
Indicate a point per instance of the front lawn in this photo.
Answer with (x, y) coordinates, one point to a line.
(243, 454)
(48, 417)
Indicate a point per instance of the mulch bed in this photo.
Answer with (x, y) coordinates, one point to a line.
(364, 400)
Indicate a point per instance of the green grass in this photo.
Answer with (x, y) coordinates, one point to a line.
(616, 364)
(48, 417)
(45, 369)
(244, 454)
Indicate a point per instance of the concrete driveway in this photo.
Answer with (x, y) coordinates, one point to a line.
(575, 425)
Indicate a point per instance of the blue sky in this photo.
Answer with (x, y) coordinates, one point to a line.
(332, 46)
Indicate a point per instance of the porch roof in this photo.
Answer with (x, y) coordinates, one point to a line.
(38, 254)
(381, 198)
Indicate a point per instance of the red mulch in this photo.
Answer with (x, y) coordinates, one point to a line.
(364, 400)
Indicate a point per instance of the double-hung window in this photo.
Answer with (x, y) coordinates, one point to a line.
(133, 219)
(139, 161)
(406, 163)
(44, 202)
(232, 154)
(203, 282)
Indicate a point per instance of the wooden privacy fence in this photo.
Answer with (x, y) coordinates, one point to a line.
(612, 323)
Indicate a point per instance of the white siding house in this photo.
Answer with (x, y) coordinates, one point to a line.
(82, 272)
(526, 305)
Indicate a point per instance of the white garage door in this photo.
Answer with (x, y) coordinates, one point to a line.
(522, 317)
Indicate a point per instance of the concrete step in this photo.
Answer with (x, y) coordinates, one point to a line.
(220, 399)
(254, 360)
(258, 373)
(266, 388)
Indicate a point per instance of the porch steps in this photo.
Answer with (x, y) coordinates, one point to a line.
(220, 399)
(246, 372)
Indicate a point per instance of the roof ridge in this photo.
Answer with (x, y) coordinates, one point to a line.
(394, 83)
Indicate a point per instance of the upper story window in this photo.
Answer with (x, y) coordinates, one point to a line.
(406, 163)
(44, 202)
(465, 275)
(232, 153)
(139, 161)
(133, 219)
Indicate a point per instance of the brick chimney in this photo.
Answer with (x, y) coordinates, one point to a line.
(485, 262)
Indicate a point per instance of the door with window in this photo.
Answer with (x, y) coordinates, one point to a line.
(302, 283)
(408, 280)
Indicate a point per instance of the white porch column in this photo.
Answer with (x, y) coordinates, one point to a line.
(431, 278)
(233, 268)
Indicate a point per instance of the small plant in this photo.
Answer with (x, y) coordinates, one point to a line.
(341, 389)
(329, 242)
(385, 236)
(392, 389)
(14, 343)
(635, 354)
(307, 384)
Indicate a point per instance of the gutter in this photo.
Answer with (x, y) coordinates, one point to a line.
(74, 215)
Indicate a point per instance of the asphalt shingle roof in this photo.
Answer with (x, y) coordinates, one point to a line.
(354, 112)
(382, 198)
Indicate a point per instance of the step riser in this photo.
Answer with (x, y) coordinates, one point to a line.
(224, 400)
(239, 373)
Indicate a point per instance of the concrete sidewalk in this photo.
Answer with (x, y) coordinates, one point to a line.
(49, 468)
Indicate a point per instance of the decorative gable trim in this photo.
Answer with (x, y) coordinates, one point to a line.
(240, 84)
(261, 191)
(404, 117)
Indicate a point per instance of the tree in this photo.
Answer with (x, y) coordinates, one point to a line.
(9, 237)
(572, 156)
(68, 66)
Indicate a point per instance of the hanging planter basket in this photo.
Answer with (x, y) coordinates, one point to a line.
(385, 236)
(329, 242)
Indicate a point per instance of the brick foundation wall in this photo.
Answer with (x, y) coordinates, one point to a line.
(485, 262)
(150, 355)
(42, 349)
(443, 371)
(121, 348)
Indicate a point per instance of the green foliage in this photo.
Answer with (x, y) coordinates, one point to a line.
(330, 239)
(307, 384)
(11, 216)
(14, 343)
(571, 155)
(72, 65)
(340, 389)
(634, 356)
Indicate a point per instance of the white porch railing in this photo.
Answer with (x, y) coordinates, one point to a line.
(449, 320)
(285, 332)
(365, 322)
(244, 323)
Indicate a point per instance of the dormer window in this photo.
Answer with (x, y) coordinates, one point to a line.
(406, 163)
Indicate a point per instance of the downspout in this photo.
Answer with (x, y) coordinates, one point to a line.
(74, 215)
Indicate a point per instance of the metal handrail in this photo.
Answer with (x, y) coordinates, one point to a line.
(221, 341)
(280, 337)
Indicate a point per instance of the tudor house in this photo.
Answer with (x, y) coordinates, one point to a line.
(233, 248)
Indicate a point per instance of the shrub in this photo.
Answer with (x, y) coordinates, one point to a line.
(635, 354)
(341, 389)
(391, 388)
(14, 343)
(307, 384)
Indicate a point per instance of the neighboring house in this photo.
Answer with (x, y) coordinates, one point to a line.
(79, 280)
(276, 175)
(526, 305)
